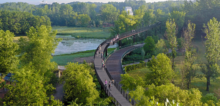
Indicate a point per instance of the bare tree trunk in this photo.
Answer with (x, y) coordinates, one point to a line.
(208, 83)
(188, 83)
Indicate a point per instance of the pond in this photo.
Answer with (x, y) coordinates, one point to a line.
(71, 45)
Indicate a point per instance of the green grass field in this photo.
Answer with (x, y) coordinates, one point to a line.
(83, 32)
(64, 59)
(140, 72)
(16, 38)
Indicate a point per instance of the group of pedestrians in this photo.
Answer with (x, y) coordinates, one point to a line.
(114, 39)
(103, 64)
(108, 85)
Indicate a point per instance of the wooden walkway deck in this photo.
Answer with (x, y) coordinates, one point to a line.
(101, 72)
(114, 62)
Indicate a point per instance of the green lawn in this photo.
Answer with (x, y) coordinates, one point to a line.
(83, 32)
(64, 59)
(140, 72)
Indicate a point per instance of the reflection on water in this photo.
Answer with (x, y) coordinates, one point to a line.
(70, 45)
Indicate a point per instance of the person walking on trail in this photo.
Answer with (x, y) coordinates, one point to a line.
(112, 81)
(103, 64)
(101, 54)
(100, 48)
(106, 83)
(109, 85)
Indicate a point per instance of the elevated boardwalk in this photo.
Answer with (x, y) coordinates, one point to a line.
(101, 72)
(113, 63)
(114, 67)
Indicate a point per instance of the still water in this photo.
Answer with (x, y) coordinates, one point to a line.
(70, 45)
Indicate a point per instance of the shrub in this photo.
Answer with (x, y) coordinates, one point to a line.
(135, 66)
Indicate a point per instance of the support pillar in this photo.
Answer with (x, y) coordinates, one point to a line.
(145, 35)
(119, 43)
(160, 29)
(133, 39)
(106, 52)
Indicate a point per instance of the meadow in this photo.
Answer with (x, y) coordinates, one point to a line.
(83, 32)
(64, 59)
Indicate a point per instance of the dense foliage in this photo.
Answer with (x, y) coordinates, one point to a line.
(28, 89)
(8, 60)
(20, 22)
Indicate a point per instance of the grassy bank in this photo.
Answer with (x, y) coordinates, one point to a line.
(140, 72)
(83, 32)
(64, 59)
(16, 38)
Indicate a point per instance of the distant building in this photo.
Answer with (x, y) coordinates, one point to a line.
(60, 70)
(129, 9)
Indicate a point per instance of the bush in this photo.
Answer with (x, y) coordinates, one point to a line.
(135, 66)
(149, 46)
(209, 98)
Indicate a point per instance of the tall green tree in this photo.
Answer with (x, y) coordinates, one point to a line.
(149, 45)
(27, 88)
(37, 50)
(108, 13)
(79, 84)
(190, 56)
(160, 47)
(129, 83)
(171, 37)
(124, 23)
(82, 20)
(40, 45)
(212, 45)
(8, 59)
(179, 17)
(139, 96)
(161, 71)
(149, 17)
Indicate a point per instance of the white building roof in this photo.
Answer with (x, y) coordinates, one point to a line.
(61, 68)
(129, 9)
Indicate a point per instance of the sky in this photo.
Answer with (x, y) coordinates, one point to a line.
(67, 1)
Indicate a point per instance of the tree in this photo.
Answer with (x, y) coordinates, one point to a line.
(40, 45)
(79, 84)
(212, 50)
(108, 12)
(149, 45)
(139, 97)
(129, 83)
(8, 48)
(171, 37)
(159, 13)
(82, 20)
(161, 71)
(179, 17)
(210, 99)
(27, 88)
(149, 17)
(171, 92)
(124, 23)
(160, 47)
(37, 51)
(190, 58)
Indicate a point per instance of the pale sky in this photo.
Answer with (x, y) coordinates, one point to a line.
(67, 1)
